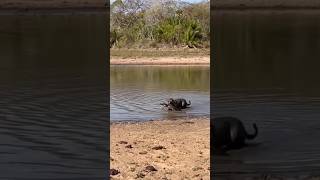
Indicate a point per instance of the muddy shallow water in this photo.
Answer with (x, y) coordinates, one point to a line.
(137, 91)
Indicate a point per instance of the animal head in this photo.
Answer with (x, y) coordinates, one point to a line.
(170, 101)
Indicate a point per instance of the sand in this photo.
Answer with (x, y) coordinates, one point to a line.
(200, 60)
(51, 4)
(183, 149)
(101, 3)
(266, 4)
(160, 56)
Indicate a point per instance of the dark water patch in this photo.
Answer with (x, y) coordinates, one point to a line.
(53, 108)
(266, 72)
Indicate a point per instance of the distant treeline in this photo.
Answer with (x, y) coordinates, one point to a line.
(159, 23)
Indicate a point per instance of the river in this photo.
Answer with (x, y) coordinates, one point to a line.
(137, 91)
(266, 71)
(53, 108)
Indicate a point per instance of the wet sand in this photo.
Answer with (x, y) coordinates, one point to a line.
(176, 149)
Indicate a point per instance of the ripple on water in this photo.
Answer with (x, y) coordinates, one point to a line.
(136, 97)
(288, 129)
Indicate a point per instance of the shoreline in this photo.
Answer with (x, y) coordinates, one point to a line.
(161, 61)
(175, 148)
(265, 8)
(270, 4)
(162, 56)
(44, 11)
(159, 119)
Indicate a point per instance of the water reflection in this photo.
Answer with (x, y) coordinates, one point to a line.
(53, 110)
(137, 91)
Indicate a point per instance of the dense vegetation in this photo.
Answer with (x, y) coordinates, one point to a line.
(159, 23)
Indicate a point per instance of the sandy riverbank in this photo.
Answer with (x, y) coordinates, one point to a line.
(53, 4)
(36, 7)
(261, 4)
(176, 149)
(161, 61)
(160, 56)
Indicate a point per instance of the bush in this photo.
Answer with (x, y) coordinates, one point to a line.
(170, 22)
(193, 34)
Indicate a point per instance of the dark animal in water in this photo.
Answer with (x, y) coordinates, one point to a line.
(176, 104)
(170, 107)
(180, 103)
(229, 133)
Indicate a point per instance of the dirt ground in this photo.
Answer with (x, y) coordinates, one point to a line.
(161, 61)
(161, 149)
(51, 4)
(266, 4)
(170, 56)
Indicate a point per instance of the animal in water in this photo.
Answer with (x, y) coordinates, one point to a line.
(170, 107)
(176, 104)
(180, 103)
(229, 133)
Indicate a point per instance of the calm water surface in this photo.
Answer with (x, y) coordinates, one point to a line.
(53, 107)
(267, 71)
(137, 91)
